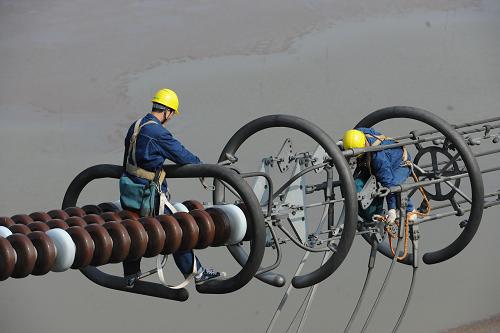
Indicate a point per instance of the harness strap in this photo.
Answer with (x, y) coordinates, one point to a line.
(378, 141)
(159, 267)
(132, 168)
(378, 138)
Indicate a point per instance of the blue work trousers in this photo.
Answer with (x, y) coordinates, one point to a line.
(400, 175)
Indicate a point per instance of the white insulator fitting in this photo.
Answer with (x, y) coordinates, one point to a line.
(237, 221)
(5, 232)
(180, 207)
(65, 249)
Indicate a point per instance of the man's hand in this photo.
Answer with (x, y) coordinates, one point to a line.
(390, 217)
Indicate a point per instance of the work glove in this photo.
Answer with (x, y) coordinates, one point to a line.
(390, 218)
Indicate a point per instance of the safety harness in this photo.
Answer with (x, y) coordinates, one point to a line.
(156, 177)
(132, 168)
(410, 215)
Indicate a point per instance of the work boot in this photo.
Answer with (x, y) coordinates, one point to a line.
(207, 274)
(131, 279)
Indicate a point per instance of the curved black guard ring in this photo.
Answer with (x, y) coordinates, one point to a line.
(471, 165)
(231, 284)
(347, 186)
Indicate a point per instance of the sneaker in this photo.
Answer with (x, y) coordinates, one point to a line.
(131, 279)
(208, 274)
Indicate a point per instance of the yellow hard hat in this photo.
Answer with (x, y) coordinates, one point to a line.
(167, 98)
(354, 139)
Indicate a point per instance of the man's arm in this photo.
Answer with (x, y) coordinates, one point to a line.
(175, 151)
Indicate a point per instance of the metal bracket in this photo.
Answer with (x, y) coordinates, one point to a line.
(285, 155)
(296, 196)
(319, 156)
(368, 193)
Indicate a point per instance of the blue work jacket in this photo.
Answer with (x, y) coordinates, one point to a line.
(154, 145)
(386, 165)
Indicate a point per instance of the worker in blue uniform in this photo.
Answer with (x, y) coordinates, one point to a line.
(390, 167)
(147, 145)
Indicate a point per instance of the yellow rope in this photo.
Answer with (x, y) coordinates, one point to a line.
(409, 216)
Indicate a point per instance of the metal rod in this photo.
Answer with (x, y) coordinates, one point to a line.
(297, 176)
(302, 246)
(319, 204)
(480, 154)
(381, 291)
(278, 254)
(371, 149)
(410, 186)
(298, 310)
(459, 191)
(357, 151)
(269, 184)
(407, 302)
(310, 298)
(230, 189)
(468, 124)
(488, 195)
(450, 162)
(321, 223)
(454, 212)
(286, 294)
(371, 265)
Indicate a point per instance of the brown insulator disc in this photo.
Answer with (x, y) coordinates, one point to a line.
(108, 207)
(156, 236)
(26, 255)
(128, 214)
(40, 216)
(38, 226)
(20, 229)
(93, 219)
(7, 258)
(75, 221)
(92, 209)
(6, 221)
(138, 237)
(249, 232)
(206, 226)
(173, 233)
(75, 211)
(111, 216)
(222, 226)
(103, 244)
(190, 230)
(193, 204)
(46, 252)
(58, 214)
(84, 246)
(57, 223)
(121, 241)
(22, 219)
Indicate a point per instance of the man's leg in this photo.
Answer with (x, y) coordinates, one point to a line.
(131, 267)
(401, 174)
(184, 261)
(131, 271)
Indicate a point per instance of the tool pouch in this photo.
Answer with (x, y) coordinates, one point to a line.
(139, 197)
